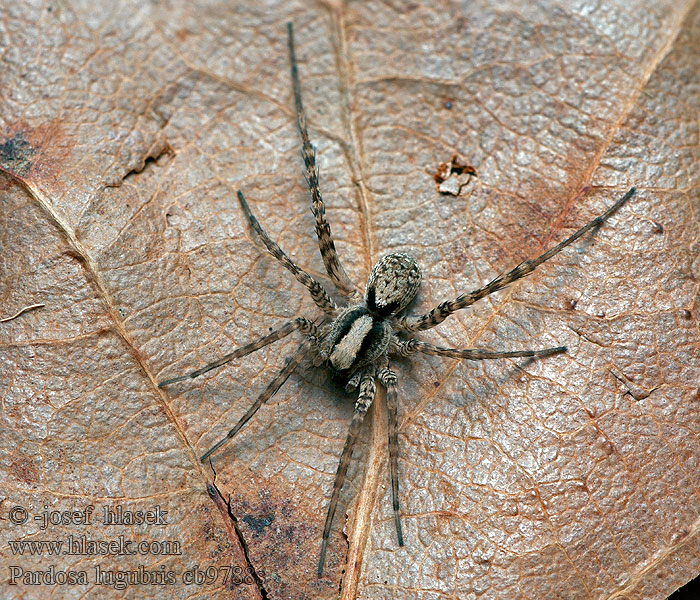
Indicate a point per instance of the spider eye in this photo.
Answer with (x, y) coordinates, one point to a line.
(392, 284)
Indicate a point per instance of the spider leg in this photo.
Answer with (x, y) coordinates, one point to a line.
(307, 327)
(270, 391)
(445, 309)
(318, 293)
(404, 348)
(364, 401)
(388, 379)
(323, 230)
(353, 382)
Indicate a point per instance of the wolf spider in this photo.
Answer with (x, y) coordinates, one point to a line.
(356, 340)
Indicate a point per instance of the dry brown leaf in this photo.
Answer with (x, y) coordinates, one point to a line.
(126, 129)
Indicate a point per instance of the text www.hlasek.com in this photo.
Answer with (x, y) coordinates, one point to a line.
(82, 546)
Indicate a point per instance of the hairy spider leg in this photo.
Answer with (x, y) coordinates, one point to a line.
(318, 292)
(445, 309)
(323, 230)
(413, 346)
(269, 392)
(365, 398)
(304, 325)
(388, 379)
(353, 382)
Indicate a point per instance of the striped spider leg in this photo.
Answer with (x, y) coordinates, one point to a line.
(335, 270)
(445, 309)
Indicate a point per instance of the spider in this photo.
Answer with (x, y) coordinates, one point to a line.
(356, 340)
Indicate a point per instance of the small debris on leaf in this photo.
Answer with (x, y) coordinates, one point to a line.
(23, 310)
(452, 176)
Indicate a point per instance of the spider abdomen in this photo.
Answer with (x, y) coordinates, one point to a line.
(392, 284)
(356, 338)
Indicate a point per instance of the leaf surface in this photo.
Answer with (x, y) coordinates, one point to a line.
(124, 134)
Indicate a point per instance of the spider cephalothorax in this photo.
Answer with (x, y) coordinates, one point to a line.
(357, 341)
(354, 340)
